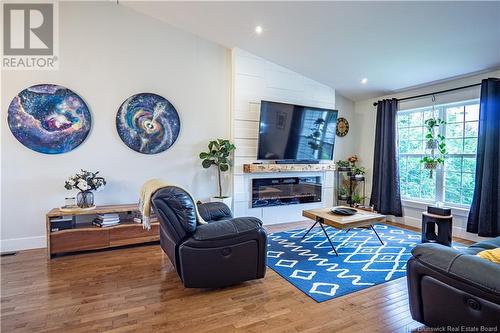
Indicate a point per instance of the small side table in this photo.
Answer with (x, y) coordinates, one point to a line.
(444, 228)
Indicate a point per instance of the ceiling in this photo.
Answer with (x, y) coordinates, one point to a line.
(396, 45)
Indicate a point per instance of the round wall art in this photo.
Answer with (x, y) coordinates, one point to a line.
(147, 123)
(49, 119)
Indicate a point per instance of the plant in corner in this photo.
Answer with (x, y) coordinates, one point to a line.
(357, 199)
(359, 172)
(219, 155)
(85, 182)
(343, 193)
(435, 141)
(343, 165)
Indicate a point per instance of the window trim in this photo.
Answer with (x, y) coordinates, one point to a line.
(439, 173)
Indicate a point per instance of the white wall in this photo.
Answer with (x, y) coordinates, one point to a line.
(345, 146)
(107, 53)
(255, 79)
(365, 117)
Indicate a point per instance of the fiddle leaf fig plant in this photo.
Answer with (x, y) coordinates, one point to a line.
(219, 155)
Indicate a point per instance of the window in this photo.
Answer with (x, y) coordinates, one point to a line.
(453, 183)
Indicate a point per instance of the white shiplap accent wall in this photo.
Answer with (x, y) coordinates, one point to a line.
(255, 79)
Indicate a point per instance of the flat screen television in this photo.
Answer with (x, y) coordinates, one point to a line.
(296, 132)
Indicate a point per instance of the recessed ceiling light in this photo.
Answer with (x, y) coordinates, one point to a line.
(258, 30)
(364, 80)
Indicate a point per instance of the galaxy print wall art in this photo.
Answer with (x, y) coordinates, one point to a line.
(49, 119)
(147, 123)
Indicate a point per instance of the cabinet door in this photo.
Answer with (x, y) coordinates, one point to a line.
(78, 240)
(133, 234)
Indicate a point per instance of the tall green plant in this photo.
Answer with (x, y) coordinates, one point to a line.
(218, 154)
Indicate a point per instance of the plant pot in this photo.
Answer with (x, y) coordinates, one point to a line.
(430, 165)
(226, 200)
(359, 177)
(343, 197)
(344, 169)
(85, 199)
(432, 144)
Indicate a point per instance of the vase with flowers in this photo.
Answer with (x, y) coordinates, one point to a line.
(85, 182)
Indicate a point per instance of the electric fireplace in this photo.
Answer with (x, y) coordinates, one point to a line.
(285, 191)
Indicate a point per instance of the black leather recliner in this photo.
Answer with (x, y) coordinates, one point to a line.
(453, 288)
(223, 252)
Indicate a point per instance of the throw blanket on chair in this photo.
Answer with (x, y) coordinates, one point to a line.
(147, 191)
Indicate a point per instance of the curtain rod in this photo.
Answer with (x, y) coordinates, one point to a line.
(434, 93)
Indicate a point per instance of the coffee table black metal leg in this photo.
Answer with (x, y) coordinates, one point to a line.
(328, 237)
(309, 230)
(371, 226)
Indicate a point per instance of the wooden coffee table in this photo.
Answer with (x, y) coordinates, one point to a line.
(362, 218)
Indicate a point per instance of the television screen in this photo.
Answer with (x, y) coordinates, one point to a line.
(296, 132)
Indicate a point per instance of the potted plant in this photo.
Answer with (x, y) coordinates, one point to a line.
(343, 193)
(357, 199)
(218, 154)
(353, 159)
(85, 182)
(359, 173)
(343, 166)
(434, 142)
(431, 163)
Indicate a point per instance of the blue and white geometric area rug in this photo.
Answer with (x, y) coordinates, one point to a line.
(312, 266)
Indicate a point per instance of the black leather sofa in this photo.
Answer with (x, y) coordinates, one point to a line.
(449, 288)
(223, 252)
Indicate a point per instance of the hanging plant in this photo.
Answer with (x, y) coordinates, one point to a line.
(435, 141)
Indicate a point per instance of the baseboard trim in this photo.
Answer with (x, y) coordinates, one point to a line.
(25, 243)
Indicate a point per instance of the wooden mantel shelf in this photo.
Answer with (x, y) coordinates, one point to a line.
(268, 167)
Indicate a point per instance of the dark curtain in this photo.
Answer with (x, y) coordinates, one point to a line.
(386, 197)
(484, 214)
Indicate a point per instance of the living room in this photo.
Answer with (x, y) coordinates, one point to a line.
(250, 166)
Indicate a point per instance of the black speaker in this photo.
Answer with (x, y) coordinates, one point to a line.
(439, 210)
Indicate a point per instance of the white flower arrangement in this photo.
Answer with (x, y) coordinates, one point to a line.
(85, 181)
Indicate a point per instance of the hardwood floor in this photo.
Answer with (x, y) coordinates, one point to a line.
(137, 290)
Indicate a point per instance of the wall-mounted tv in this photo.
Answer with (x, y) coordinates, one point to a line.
(296, 132)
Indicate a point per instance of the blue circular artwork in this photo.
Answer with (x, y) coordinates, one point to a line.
(148, 123)
(49, 119)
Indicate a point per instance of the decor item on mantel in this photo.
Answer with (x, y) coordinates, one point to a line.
(49, 119)
(219, 154)
(85, 182)
(148, 123)
(434, 141)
